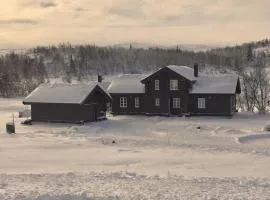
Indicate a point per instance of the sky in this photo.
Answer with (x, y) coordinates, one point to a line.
(27, 23)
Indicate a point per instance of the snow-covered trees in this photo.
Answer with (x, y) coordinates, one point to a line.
(69, 62)
(255, 85)
(20, 74)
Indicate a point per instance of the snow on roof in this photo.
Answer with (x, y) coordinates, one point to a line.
(218, 84)
(104, 85)
(61, 93)
(127, 83)
(184, 71)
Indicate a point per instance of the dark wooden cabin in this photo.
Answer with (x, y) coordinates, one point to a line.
(68, 102)
(175, 90)
(128, 95)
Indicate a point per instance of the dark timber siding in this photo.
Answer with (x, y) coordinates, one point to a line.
(97, 98)
(90, 110)
(62, 112)
(165, 94)
(130, 104)
(216, 104)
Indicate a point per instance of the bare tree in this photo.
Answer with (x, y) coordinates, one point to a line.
(262, 84)
(256, 86)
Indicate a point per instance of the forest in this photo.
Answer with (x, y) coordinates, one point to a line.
(20, 73)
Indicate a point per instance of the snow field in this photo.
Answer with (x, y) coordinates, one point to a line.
(152, 158)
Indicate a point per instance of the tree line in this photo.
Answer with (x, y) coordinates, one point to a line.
(21, 73)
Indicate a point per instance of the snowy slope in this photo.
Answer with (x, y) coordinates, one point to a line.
(265, 50)
(151, 158)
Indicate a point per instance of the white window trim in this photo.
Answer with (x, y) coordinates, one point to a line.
(137, 102)
(157, 102)
(156, 84)
(176, 103)
(201, 103)
(123, 102)
(173, 84)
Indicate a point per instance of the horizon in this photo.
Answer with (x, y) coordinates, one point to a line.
(184, 46)
(30, 23)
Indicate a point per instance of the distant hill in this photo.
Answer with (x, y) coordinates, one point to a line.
(21, 70)
(185, 47)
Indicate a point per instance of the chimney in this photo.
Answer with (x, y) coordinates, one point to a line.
(196, 69)
(99, 78)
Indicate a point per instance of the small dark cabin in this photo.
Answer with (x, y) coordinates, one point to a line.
(68, 102)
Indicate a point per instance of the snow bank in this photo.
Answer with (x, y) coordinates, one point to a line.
(253, 137)
(111, 186)
(152, 158)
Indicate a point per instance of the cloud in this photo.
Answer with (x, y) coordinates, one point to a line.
(175, 14)
(128, 9)
(114, 21)
(47, 4)
(40, 3)
(19, 21)
(80, 9)
(127, 13)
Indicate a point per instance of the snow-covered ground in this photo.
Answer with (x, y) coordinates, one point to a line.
(135, 157)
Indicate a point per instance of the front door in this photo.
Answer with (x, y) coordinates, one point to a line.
(175, 105)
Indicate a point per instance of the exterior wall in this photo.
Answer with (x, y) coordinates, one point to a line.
(165, 94)
(130, 104)
(92, 108)
(97, 98)
(216, 104)
(62, 112)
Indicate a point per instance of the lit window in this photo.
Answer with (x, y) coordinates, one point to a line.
(173, 84)
(201, 103)
(157, 102)
(137, 102)
(176, 103)
(123, 102)
(156, 84)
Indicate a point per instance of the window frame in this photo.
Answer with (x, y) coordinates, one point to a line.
(123, 102)
(176, 102)
(136, 102)
(157, 85)
(201, 103)
(174, 84)
(157, 102)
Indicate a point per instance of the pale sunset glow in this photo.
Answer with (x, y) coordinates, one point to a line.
(26, 23)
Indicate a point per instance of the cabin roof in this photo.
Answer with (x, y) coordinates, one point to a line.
(62, 93)
(184, 71)
(217, 84)
(104, 85)
(127, 83)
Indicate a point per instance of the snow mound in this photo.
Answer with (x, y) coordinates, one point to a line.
(254, 137)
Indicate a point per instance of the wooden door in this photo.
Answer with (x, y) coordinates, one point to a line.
(175, 105)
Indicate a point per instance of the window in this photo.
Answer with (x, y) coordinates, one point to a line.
(157, 102)
(176, 103)
(201, 103)
(123, 102)
(156, 84)
(173, 84)
(137, 102)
